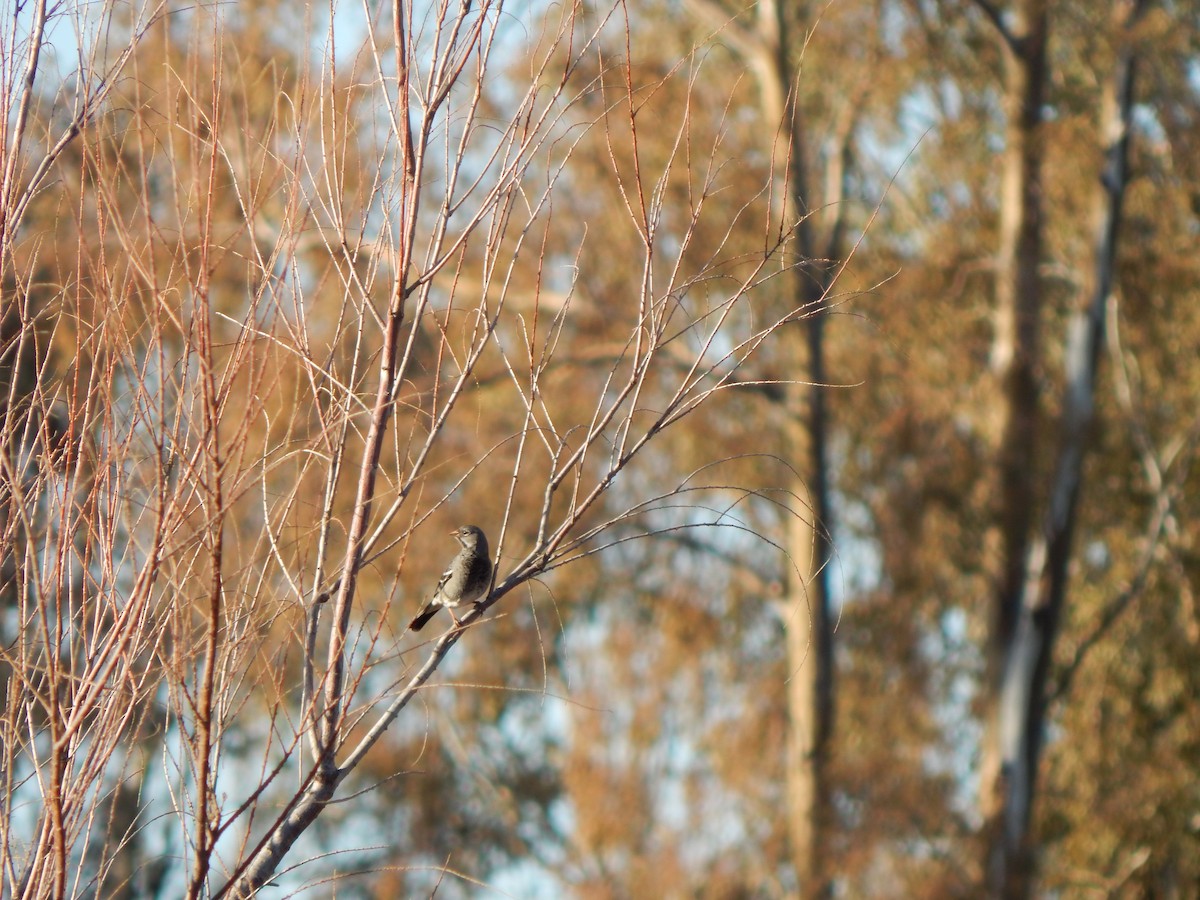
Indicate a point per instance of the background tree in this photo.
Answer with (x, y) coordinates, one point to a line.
(1088, 56)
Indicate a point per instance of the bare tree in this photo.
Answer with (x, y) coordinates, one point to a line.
(290, 290)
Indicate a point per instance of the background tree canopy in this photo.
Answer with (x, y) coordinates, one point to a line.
(824, 376)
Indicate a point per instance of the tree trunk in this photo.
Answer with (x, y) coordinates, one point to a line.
(815, 220)
(809, 623)
(809, 635)
(1030, 610)
(1016, 360)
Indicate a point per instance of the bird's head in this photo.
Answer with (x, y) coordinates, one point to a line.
(471, 537)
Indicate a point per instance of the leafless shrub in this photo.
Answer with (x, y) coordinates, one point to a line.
(263, 321)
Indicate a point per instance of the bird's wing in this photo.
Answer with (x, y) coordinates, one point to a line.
(437, 591)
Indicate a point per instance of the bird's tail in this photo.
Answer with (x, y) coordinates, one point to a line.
(423, 617)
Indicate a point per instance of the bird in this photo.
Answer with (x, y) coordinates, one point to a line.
(465, 579)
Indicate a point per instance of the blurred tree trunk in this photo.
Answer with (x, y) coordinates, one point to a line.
(1032, 590)
(809, 637)
(1016, 361)
(817, 215)
(813, 211)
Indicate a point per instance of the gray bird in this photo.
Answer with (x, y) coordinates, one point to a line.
(466, 579)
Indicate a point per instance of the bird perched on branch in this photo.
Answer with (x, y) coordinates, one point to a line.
(464, 581)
